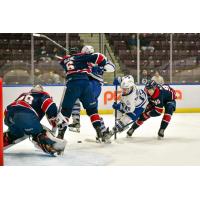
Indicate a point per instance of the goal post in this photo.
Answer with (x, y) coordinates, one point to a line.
(1, 123)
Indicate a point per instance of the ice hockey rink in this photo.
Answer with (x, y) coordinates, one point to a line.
(181, 146)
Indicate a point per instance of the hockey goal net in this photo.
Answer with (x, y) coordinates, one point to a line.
(1, 123)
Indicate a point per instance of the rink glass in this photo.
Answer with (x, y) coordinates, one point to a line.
(25, 59)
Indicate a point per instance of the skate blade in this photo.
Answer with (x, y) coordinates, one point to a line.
(160, 138)
(107, 142)
(128, 136)
(76, 130)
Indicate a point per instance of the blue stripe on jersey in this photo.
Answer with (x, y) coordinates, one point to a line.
(143, 100)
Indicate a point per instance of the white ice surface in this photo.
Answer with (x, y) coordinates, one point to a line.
(181, 146)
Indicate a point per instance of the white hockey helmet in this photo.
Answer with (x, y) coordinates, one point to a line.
(128, 85)
(37, 88)
(87, 49)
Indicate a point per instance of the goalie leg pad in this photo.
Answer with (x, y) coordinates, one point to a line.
(59, 144)
(48, 143)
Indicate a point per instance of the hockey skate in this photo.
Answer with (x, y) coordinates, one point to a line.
(106, 138)
(61, 133)
(74, 127)
(130, 132)
(160, 134)
(102, 136)
(109, 134)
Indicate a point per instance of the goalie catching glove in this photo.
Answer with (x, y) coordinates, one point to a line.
(48, 143)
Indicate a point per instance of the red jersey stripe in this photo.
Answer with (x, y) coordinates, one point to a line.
(23, 104)
(159, 110)
(46, 104)
(88, 71)
(100, 58)
(156, 94)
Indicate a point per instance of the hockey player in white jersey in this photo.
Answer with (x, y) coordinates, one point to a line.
(132, 103)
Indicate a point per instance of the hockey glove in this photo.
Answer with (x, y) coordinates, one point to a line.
(97, 69)
(117, 106)
(117, 81)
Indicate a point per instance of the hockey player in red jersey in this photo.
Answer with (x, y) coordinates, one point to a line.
(160, 98)
(78, 67)
(23, 118)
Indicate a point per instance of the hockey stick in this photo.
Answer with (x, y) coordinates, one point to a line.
(65, 49)
(54, 42)
(115, 102)
(115, 133)
(59, 108)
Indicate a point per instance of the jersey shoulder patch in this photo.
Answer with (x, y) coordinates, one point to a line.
(100, 58)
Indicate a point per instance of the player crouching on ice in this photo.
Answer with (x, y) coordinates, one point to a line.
(23, 120)
(159, 97)
(132, 103)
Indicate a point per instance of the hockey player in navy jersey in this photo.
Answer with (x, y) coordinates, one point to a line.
(96, 81)
(132, 103)
(77, 68)
(160, 98)
(23, 119)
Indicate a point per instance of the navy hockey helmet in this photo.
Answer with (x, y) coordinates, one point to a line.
(151, 85)
(74, 50)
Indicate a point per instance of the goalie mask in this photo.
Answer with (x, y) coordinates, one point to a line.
(37, 88)
(128, 86)
(87, 49)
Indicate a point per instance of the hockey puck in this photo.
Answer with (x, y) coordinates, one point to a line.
(79, 141)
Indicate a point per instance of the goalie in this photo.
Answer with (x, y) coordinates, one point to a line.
(23, 120)
(133, 102)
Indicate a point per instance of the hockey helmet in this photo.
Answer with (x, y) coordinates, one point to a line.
(128, 85)
(151, 84)
(37, 88)
(87, 49)
(74, 50)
